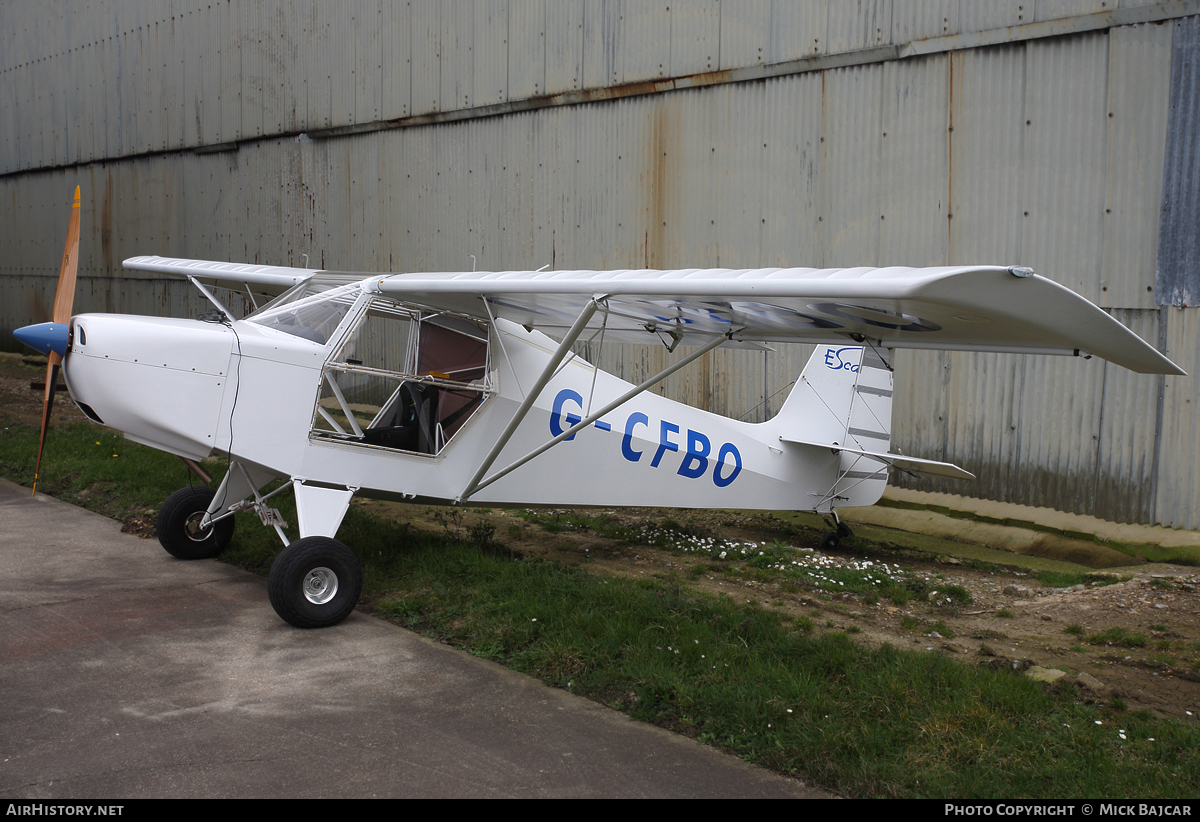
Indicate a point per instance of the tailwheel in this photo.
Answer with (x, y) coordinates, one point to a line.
(830, 540)
(315, 583)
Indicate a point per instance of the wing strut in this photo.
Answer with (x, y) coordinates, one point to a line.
(624, 398)
(565, 346)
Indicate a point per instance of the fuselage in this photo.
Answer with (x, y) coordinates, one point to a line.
(263, 395)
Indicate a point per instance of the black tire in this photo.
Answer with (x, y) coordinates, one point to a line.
(314, 583)
(830, 541)
(177, 525)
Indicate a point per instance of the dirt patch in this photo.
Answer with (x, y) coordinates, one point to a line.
(22, 404)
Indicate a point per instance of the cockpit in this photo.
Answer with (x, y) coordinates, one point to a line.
(398, 376)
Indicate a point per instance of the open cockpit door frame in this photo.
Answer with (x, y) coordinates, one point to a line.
(410, 419)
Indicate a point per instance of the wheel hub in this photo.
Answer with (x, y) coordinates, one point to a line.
(320, 585)
(194, 531)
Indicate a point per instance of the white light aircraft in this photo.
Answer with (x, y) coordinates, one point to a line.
(462, 388)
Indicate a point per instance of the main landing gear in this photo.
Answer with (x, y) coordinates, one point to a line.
(315, 581)
(178, 525)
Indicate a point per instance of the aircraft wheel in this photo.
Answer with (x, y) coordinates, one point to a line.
(830, 541)
(314, 583)
(178, 525)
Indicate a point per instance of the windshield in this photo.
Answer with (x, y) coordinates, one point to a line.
(311, 310)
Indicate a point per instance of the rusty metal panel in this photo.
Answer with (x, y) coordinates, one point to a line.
(526, 48)
(987, 112)
(915, 161)
(858, 24)
(1177, 276)
(745, 33)
(1138, 90)
(695, 36)
(426, 19)
(850, 182)
(922, 19)
(564, 46)
(395, 43)
(457, 56)
(1063, 179)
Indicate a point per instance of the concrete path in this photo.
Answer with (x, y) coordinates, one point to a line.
(126, 674)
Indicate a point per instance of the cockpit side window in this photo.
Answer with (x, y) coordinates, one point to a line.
(403, 380)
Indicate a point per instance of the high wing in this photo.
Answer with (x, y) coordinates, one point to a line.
(969, 308)
(269, 279)
(976, 308)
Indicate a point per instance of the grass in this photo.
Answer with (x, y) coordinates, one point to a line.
(750, 680)
(1119, 637)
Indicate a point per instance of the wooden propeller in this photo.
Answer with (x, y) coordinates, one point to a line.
(64, 297)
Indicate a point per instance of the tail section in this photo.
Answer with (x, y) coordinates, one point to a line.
(843, 402)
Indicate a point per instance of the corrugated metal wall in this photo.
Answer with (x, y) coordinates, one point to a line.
(113, 78)
(1046, 152)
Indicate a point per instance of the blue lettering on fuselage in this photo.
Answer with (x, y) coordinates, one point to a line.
(726, 466)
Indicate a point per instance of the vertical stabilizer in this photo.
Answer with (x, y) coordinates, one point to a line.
(844, 399)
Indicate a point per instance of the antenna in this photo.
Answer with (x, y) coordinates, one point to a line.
(472, 256)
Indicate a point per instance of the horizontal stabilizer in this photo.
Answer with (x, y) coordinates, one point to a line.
(911, 465)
